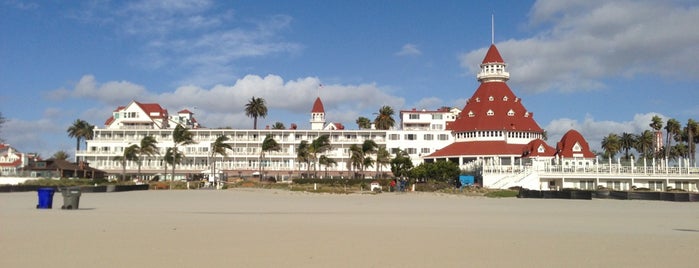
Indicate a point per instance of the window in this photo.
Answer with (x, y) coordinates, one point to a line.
(504, 98)
(491, 98)
(511, 113)
(437, 116)
(425, 150)
(577, 147)
(394, 137)
(656, 185)
(410, 137)
(471, 114)
(490, 113)
(443, 137)
(540, 149)
(587, 185)
(437, 126)
(428, 137)
(411, 150)
(413, 116)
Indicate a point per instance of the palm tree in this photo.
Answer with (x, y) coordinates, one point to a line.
(369, 147)
(691, 129)
(363, 122)
(218, 147)
(129, 154)
(61, 155)
(268, 144)
(172, 157)
(147, 147)
(318, 146)
(278, 125)
(256, 108)
(383, 157)
(384, 119)
(627, 142)
(327, 162)
(611, 145)
(656, 124)
(180, 137)
(644, 144)
(356, 161)
(673, 128)
(302, 154)
(80, 130)
(401, 164)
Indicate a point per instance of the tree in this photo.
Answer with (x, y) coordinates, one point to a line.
(327, 162)
(256, 108)
(611, 145)
(644, 144)
(656, 124)
(302, 154)
(218, 147)
(363, 123)
(181, 136)
(172, 157)
(691, 129)
(627, 142)
(356, 160)
(673, 129)
(80, 130)
(268, 144)
(401, 164)
(128, 154)
(61, 155)
(441, 171)
(360, 155)
(384, 119)
(147, 147)
(383, 157)
(278, 125)
(318, 146)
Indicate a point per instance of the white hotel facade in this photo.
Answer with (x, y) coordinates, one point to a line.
(493, 134)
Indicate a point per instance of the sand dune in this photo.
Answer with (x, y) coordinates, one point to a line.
(275, 228)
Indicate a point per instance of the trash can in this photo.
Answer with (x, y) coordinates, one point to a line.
(71, 198)
(45, 197)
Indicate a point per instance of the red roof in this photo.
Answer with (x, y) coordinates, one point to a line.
(185, 111)
(151, 108)
(532, 149)
(318, 106)
(494, 107)
(569, 140)
(476, 148)
(493, 55)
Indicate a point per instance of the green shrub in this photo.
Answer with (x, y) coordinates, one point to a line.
(502, 193)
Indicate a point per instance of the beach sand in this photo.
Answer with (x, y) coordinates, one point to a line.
(277, 228)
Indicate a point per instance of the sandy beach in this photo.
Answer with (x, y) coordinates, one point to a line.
(276, 228)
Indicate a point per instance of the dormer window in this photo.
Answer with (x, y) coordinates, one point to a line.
(526, 114)
(471, 114)
(577, 147)
(540, 149)
(504, 98)
(490, 113)
(478, 99)
(491, 98)
(511, 113)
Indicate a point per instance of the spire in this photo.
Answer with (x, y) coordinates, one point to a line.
(317, 115)
(492, 28)
(493, 68)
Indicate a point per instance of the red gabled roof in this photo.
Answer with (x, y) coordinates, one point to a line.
(318, 106)
(150, 108)
(478, 148)
(493, 55)
(568, 141)
(498, 98)
(532, 149)
(185, 111)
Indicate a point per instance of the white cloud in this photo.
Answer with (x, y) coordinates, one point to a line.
(110, 93)
(409, 50)
(582, 43)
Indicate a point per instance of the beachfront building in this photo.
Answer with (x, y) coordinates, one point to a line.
(421, 133)
(11, 160)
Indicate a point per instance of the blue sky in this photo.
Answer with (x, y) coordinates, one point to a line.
(594, 66)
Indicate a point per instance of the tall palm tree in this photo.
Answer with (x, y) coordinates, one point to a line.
(673, 129)
(356, 161)
(327, 162)
(173, 157)
(384, 119)
(129, 154)
(656, 124)
(611, 145)
(255, 108)
(219, 147)
(401, 164)
(302, 154)
(147, 147)
(627, 142)
(318, 146)
(268, 144)
(692, 129)
(181, 136)
(80, 130)
(383, 157)
(369, 147)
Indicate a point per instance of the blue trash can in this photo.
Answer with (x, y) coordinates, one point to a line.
(45, 197)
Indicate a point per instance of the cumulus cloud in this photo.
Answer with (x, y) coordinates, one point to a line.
(110, 93)
(409, 50)
(579, 44)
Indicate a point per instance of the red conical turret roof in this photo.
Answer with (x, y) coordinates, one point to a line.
(318, 106)
(493, 55)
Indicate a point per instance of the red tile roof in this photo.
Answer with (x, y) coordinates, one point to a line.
(498, 98)
(318, 106)
(568, 141)
(185, 111)
(478, 148)
(151, 108)
(532, 149)
(493, 55)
